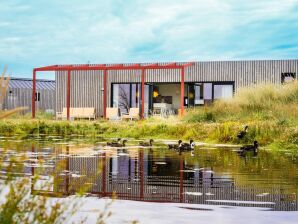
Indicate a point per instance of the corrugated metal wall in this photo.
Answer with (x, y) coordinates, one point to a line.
(86, 90)
(87, 85)
(19, 94)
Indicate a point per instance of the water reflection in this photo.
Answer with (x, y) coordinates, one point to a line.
(207, 176)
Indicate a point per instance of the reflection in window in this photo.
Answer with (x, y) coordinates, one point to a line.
(208, 91)
(135, 93)
(287, 77)
(121, 97)
(199, 97)
(126, 96)
(223, 91)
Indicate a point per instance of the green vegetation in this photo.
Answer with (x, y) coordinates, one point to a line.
(271, 112)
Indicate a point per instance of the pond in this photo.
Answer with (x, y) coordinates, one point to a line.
(208, 175)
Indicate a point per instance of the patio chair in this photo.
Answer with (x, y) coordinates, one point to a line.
(112, 113)
(134, 113)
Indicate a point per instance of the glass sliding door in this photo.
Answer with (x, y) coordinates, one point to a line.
(222, 91)
(191, 95)
(126, 96)
(148, 104)
(135, 95)
(121, 97)
(195, 94)
(207, 89)
(199, 94)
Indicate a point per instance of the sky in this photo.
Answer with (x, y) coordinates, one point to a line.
(35, 33)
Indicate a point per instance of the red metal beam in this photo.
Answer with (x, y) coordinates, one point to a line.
(47, 67)
(68, 95)
(33, 93)
(182, 93)
(188, 64)
(105, 93)
(143, 94)
(112, 67)
(153, 64)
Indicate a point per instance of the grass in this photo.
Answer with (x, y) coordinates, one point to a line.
(271, 112)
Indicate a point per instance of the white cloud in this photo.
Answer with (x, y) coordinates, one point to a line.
(42, 32)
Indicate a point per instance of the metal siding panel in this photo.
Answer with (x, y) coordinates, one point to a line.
(244, 73)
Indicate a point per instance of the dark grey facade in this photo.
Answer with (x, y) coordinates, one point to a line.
(87, 86)
(19, 94)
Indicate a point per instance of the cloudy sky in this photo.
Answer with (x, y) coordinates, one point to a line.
(35, 33)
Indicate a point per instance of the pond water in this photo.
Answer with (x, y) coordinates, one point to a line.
(215, 176)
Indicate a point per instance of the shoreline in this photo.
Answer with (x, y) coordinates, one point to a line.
(267, 133)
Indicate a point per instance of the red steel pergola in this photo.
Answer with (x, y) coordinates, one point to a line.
(105, 69)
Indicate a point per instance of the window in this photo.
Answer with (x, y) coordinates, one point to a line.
(121, 97)
(287, 77)
(126, 96)
(195, 95)
(208, 91)
(223, 91)
(37, 96)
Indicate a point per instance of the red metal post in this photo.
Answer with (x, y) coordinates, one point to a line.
(33, 93)
(68, 94)
(105, 71)
(181, 178)
(182, 92)
(143, 94)
(141, 159)
(103, 182)
(67, 174)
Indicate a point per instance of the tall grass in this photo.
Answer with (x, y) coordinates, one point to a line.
(261, 102)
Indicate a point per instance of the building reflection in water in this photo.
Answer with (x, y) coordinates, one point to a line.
(139, 174)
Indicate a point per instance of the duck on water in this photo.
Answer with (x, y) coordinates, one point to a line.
(117, 143)
(187, 146)
(249, 148)
(150, 143)
(175, 146)
(182, 146)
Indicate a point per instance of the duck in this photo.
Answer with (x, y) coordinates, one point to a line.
(187, 146)
(175, 146)
(114, 142)
(118, 144)
(242, 133)
(249, 148)
(146, 143)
